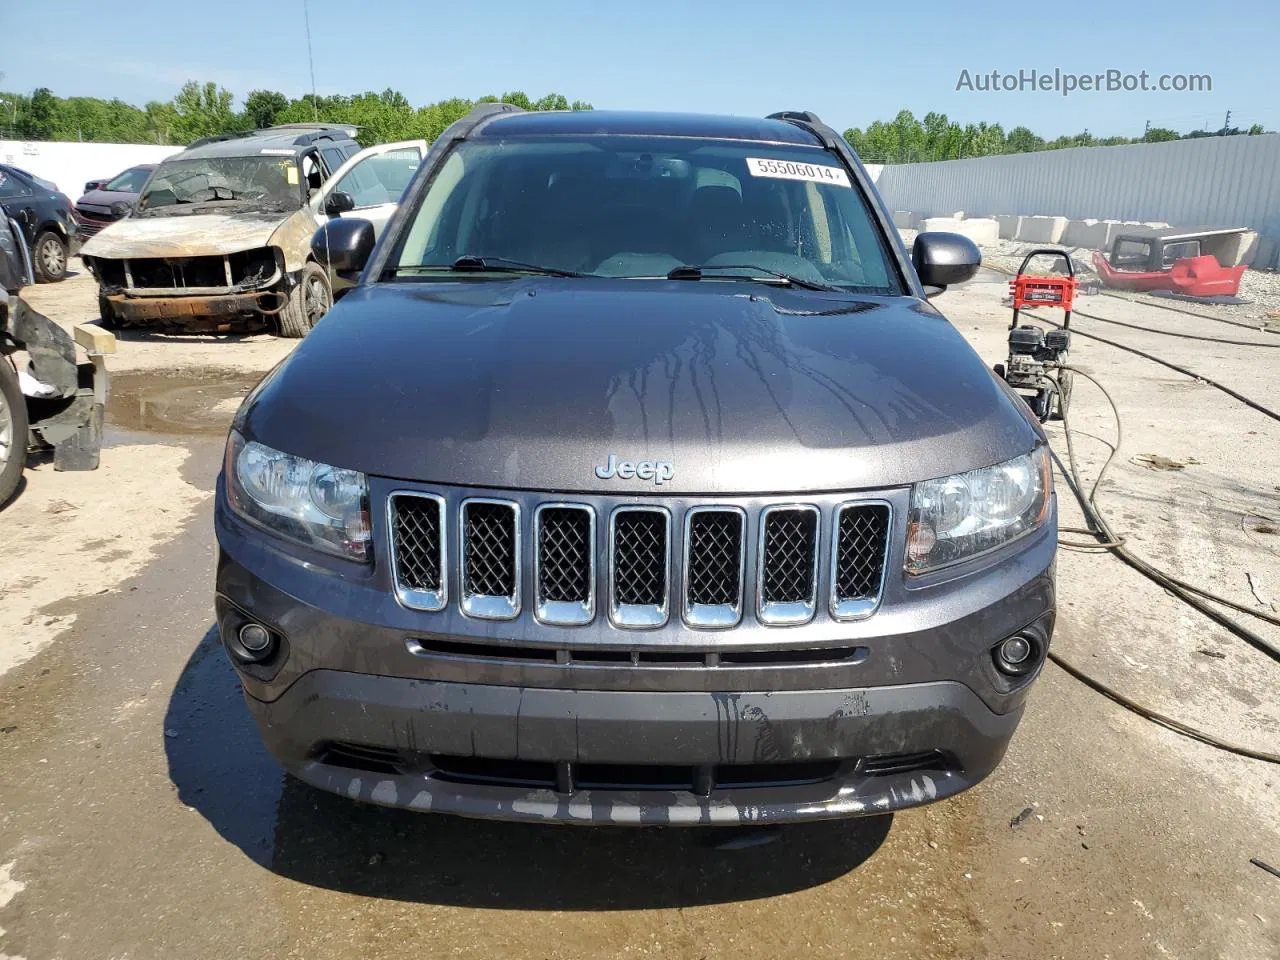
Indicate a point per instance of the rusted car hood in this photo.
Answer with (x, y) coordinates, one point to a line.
(199, 235)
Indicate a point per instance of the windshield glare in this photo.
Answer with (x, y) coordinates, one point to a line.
(267, 182)
(640, 207)
(131, 181)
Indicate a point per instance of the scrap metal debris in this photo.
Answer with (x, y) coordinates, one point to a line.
(1022, 817)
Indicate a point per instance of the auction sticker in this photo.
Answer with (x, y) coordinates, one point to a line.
(790, 170)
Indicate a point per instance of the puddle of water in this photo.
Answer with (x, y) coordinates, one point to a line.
(177, 403)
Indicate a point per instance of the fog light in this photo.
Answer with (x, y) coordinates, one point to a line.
(254, 637)
(1016, 655)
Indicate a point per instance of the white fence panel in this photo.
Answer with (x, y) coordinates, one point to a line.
(69, 165)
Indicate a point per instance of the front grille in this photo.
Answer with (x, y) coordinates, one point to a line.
(788, 564)
(417, 531)
(490, 559)
(565, 563)
(714, 554)
(779, 543)
(179, 272)
(641, 566)
(858, 552)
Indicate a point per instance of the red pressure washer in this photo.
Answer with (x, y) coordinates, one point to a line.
(1036, 356)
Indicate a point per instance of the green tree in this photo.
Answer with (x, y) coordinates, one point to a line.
(1159, 135)
(203, 110)
(40, 120)
(261, 107)
(1022, 140)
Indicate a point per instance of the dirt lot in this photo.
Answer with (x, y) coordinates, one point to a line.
(140, 818)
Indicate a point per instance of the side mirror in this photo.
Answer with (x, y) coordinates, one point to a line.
(338, 203)
(343, 245)
(942, 259)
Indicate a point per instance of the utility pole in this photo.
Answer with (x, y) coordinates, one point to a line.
(315, 106)
(1146, 129)
(1226, 124)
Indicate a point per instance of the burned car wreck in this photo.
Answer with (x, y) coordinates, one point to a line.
(218, 238)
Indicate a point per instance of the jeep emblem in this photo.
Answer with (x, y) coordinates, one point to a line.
(659, 471)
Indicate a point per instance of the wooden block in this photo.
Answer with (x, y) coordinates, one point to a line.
(94, 339)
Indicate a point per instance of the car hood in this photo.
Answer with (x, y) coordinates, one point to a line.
(197, 235)
(531, 384)
(101, 200)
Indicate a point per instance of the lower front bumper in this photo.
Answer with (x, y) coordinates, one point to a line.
(619, 757)
(151, 309)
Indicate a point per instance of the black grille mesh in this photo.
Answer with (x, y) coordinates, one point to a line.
(417, 543)
(789, 537)
(564, 555)
(860, 549)
(640, 558)
(715, 544)
(489, 534)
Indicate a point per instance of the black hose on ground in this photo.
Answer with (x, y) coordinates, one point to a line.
(1185, 592)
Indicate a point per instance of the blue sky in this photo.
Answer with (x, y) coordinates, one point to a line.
(850, 62)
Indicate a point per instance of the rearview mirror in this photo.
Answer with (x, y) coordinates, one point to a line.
(942, 259)
(343, 245)
(338, 203)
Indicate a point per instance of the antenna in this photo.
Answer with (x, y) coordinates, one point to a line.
(315, 104)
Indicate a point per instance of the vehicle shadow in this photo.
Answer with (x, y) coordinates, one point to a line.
(220, 768)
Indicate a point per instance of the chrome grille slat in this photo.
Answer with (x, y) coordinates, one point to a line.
(714, 553)
(787, 584)
(564, 563)
(639, 566)
(860, 538)
(489, 533)
(417, 525)
(641, 572)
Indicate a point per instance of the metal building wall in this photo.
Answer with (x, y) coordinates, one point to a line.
(1209, 181)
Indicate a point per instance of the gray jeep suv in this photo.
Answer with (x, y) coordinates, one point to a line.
(637, 481)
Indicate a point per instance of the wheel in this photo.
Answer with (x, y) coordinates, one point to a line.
(1065, 378)
(49, 257)
(13, 432)
(106, 315)
(308, 302)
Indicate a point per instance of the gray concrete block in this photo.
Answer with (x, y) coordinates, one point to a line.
(1265, 253)
(1042, 229)
(980, 230)
(1008, 226)
(906, 220)
(1231, 250)
(1090, 234)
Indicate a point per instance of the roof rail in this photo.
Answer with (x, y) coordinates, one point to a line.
(350, 129)
(808, 120)
(218, 138)
(461, 129)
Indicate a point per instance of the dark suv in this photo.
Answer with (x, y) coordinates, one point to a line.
(637, 481)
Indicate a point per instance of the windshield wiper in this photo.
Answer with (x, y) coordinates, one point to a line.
(771, 276)
(506, 265)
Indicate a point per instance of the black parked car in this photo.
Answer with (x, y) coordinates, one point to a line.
(45, 217)
(106, 201)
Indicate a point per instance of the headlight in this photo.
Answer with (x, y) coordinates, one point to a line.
(312, 503)
(958, 517)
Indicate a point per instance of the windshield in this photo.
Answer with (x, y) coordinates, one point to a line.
(643, 207)
(263, 182)
(130, 181)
